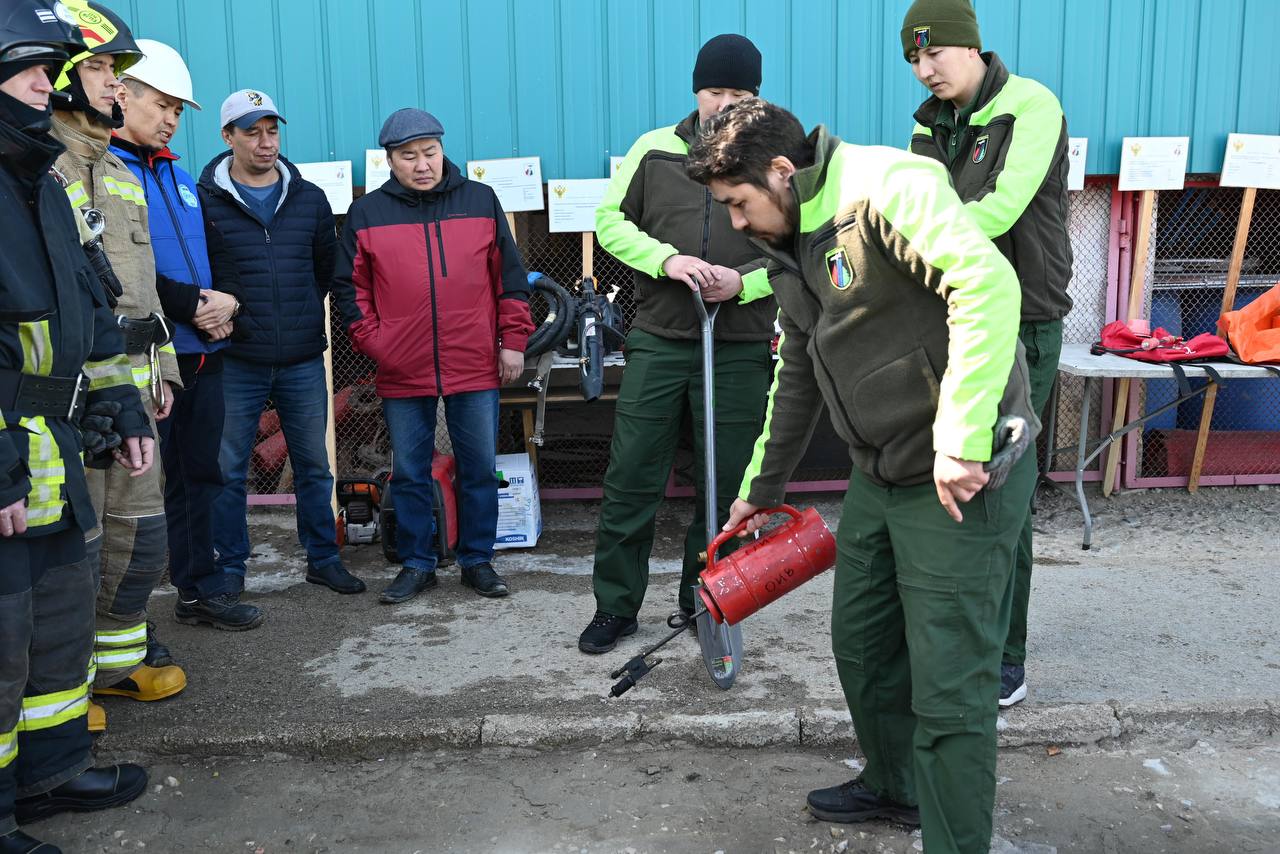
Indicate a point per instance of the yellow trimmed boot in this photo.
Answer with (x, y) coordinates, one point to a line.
(97, 717)
(148, 683)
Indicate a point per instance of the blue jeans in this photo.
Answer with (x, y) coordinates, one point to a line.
(472, 418)
(299, 394)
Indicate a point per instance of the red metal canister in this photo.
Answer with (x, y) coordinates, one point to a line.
(739, 584)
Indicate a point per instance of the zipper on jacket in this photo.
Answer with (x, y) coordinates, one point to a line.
(275, 293)
(435, 317)
(706, 224)
(444, 268)
(177, 227)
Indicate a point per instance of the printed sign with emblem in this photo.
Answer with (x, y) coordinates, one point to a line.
(839, 270)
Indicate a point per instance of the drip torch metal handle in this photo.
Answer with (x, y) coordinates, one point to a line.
(725, 536)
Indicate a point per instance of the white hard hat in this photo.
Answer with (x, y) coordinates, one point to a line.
(163, 69)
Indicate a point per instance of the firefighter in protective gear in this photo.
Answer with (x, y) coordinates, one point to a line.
(60, 353)
(128, 547)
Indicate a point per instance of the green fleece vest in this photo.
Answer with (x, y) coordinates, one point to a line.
(651, 211)
(1010, 169)
(899, 312)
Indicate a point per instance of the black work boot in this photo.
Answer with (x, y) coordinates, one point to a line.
(17, 842)
(482, 579)
(333, 574)
(851, 802)
(603, 633)
(224, 611)
(158, 654)
(94, 789)
(409, 583)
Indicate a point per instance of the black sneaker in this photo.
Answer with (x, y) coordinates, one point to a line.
(224, 611)
(603, 633)
(158, 654)
(1013, 685)
(852, 802)
(482, 579)
(409, 583)
(332, 573)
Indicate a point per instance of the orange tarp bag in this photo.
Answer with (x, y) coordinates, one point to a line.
(1254, 331)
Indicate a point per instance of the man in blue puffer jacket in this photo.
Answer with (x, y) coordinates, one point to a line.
(279, 233)
(156, 90)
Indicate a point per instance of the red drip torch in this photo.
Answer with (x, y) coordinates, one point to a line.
(736, 586)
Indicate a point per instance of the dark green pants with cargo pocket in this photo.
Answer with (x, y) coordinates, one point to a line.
(662, 382)
(918, 623)
(1043, 342)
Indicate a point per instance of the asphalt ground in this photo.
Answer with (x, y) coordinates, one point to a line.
(1166, 629)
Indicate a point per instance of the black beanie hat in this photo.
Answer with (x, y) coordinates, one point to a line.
(728, 61)
(939, 23)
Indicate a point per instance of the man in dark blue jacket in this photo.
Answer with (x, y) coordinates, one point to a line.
(279, 233)
(156, 90)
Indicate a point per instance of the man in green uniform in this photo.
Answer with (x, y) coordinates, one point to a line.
(903, 317)
(678, 242)
(1003, 138)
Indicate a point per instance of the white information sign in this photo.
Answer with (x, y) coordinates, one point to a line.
(334, 177)
(376, 169)
(1154, 162)
(571, 204)
(516, 180)
(614, 163)
(1077, 157)
(1252, 160)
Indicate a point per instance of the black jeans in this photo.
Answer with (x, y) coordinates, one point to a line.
(189, 442)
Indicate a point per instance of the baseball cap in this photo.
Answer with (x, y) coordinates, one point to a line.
(245, 107)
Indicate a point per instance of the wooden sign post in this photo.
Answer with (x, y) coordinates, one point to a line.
(1228, 302)
(330, 431)
(1137, 295)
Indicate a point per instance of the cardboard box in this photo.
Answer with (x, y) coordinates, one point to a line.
(519, 508)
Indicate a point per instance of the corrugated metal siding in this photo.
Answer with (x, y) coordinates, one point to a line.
(575, 81)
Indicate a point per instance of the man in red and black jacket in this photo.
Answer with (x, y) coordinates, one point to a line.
(431, 287)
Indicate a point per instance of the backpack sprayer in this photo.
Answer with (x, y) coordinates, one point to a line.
(749, 578)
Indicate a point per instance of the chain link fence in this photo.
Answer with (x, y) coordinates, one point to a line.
(1193, 243)
(1089, 228)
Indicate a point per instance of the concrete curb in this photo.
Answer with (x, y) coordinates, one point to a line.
(1032, 725)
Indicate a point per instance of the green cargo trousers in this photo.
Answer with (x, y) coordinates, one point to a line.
(918, 621)
(662, 382)
(1044, 345)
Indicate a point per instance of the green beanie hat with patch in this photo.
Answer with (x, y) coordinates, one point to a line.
(939, 23)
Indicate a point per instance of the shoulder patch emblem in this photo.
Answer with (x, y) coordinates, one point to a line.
(839, 270)
(921, 36)
(980, 149)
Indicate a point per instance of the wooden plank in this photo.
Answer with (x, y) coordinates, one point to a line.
(330, 433)
(1137, 293)
(588, 254)
(511, 224)
(528, 423)
(1228, 302)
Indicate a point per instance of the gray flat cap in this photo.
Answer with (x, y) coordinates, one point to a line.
(408, 124)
